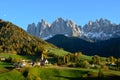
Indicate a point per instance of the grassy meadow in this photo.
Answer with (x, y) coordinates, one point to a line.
(56, 73)
(53, 72)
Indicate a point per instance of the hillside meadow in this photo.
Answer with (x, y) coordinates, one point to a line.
(57, 73)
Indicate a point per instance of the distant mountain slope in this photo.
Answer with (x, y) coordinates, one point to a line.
(16, 41)
(73, 44)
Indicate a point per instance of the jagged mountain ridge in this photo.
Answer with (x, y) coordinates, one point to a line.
(100, 37)
(101, 29)
(59, 26)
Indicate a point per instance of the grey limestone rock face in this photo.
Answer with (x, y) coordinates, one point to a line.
(101, 29)
(31, 29)
(59, 26)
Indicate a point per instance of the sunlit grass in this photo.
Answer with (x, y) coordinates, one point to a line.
(16, 56)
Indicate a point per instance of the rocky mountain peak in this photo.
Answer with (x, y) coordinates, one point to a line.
(43, 24)
(101, 29)
(104, 22)
(43, 21)
(60, 19)
(99, 23)
(90, 23)
(31, 28)
(59, 26)
(70, 23)
(32, 25)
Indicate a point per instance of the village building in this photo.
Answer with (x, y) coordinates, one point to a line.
(2, 58)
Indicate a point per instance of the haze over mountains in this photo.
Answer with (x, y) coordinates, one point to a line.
(101, 29)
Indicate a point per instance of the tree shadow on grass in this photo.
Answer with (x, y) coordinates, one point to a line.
(9, 68)
(91, 78)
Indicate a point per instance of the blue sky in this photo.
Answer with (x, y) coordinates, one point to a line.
(24, 12)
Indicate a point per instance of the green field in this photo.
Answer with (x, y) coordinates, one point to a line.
(57, 51)
(53, 72)
(11, 75)
(17, 56)
(5, 64)
(56, 73)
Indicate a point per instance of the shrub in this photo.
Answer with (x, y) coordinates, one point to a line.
(71, 65)
(38, 78)
(92, 74)
(95, 67)
(23, 69)
(104, 67)
(100, 74)
(82, 64)
(32, 74)
(9, 59)
(15, 60)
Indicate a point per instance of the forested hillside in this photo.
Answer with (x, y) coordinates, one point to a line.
(16, 41)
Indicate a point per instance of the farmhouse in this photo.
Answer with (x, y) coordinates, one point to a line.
(2, 58)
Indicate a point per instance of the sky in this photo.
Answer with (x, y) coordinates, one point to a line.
(24, 12)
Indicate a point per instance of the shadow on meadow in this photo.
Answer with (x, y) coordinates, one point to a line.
(91, 78)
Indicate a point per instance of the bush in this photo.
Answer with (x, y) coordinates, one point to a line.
(9, 59)
(55, 64)
(38, 78)
(71, 65)
(95, 67)
(24, 71)
(104, 67)
(33, 74)
(92, 74)
(61, 63)
(82, 64)
(30, 73)
(15, 60)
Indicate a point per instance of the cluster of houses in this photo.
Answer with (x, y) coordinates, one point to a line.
(28, 63)
(110, 64)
